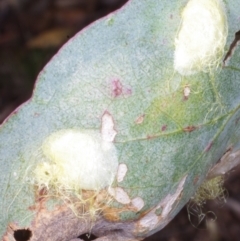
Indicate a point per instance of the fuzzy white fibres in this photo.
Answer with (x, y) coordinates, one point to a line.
(199, 45)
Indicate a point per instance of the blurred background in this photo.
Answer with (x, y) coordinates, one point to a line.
(31, 32)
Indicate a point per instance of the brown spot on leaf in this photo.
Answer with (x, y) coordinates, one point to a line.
(208, 147)
(189, 128)
(42, 193)
(237, 120)
(195, 180)
(164, 127)
(149, 137)
(113, 214)
(40, 199)
(140, 119)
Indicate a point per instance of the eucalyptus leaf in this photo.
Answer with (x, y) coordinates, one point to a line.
(171, 128)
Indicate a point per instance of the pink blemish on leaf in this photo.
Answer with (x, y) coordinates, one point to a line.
(164, 127)
(208, 147)
(118, 89)
(128, 91)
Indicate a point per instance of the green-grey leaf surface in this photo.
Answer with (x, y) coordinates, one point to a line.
(131, 49)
